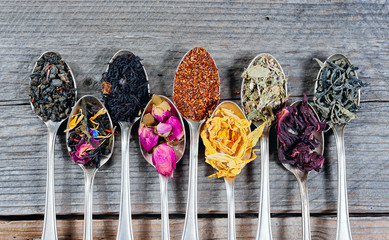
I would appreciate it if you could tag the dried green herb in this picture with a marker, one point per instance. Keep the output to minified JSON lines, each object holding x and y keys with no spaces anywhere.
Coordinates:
{"x":336,"y":97}
{"x":263,"y":88}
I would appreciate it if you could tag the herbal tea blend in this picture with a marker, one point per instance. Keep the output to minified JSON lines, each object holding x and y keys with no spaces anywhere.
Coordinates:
{"x":336,"y":97}
{"x":90,"y":135}
{"x":159,"y":131}
{"x":125,"y":88}
{"x":263,"y":88}
{"x":196,"y":85}
{"x":52,"y":89}
{"x":227,"y":138}
{"x":295,"y":128}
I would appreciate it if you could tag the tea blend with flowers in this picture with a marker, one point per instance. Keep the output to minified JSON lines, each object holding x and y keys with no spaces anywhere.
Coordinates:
{"x":263,"y":88}
{"x":125,"y":88}
{"x":196,"y":85}
{"x":336,"y":97}
{"x":158,"y":132}
{"x":90,"y":135}
{"x":52,"y":90}
{"x":227,"y":139}
{"x":296,"y":126}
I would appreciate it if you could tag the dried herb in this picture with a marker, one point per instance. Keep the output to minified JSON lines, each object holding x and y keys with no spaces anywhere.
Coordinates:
{"x":227,"y":140}
{"x":52,"y":88}
{"x":90,"y":135}
{"x":296,"y":127}
{"x":263,"y":88}
{"x":336,"y":97}
{"x":125,"y":88}
{"x":196,"y":85}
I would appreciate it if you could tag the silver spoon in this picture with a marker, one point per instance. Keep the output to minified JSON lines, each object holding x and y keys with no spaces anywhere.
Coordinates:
{"x":89,"y":171}
{"x":49,"y":225}
{"x":191,"y":231}
{"x":343,"y":223}
{"x":302,"y":179}
{"x":230,"y":182}
{"x":264,"y":224}
{"x":179,"y":150}
{"x":125,"y":227}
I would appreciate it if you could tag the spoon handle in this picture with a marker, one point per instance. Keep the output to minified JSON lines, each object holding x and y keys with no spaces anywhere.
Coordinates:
{"x":264,"y":225}
{"x":125,"y":226}
{"x":343,"y":231}
{"x":164,"y":208}
{"x":89,"y":177}
{"x":231,"y":208}
{"x":303,"y":184}
{"x":191,"y":231}
{"x":49,"y":225}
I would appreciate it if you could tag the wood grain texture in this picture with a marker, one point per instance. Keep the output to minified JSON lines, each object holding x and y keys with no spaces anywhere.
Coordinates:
{"x":87,"y":33}
{"x":149,"y":229}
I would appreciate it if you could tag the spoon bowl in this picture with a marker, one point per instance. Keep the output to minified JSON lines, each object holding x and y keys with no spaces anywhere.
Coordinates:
{"x":125,"y":221}
{"x":49,"y":226}
{"x":89,"y":171}
{"x":264,"y":221}
{"x":190,"y":231}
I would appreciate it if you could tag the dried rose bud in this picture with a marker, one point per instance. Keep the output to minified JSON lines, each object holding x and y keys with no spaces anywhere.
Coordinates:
{"x":148,"y":120}
{"x":177,"y":131}
{"x":164,"y":159}
{"x":163,"y":129}
{"x":147,"y":137}
{"x":161,"y":111}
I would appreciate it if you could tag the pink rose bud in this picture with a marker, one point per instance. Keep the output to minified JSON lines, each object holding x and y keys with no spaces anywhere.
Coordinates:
{"x":161,"y":111}
{"x":177,"y":131}
{"x":163,"y":129}
{"x":148,"y":139}
{"x":164,"y":159}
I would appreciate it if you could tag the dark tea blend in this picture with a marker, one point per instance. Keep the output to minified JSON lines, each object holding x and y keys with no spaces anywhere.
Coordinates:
{"x":90,"y":135}
{"x":336,"y":97}
{"x":52,"y":90}
{"x":196,"y":85}
{"x":125,"y":88}
{"x":296,"y":126}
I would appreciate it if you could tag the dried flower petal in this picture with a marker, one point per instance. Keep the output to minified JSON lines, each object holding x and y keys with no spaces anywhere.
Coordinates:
{"x":164,"y":159}
{"x":163,"y":129}
{"x":178,"y":129}
{"x":147,"y":137}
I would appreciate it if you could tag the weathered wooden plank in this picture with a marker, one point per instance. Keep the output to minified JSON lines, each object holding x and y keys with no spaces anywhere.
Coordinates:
{"x":23,"y":173}
{"x":88,"y":34}
{"x":283,"y":228}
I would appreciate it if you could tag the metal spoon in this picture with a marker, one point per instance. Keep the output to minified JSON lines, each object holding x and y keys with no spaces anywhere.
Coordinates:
{"x":179,"y":150}
{"x":49,"y":225}
{"x":191,"y":231}
{"x":89,"y":171}
{"x":230,"y":182}
{"x":125,"y":227}
{"x":302,"y":179}
{"x":343,"y":223}
{"x":264,"y":224}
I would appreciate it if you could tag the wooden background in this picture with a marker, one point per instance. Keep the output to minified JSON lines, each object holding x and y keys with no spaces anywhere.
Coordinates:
{"x":87,"y":33}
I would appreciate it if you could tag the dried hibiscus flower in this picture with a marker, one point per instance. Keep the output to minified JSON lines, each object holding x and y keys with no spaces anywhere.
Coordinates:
{"x":296,"y":127}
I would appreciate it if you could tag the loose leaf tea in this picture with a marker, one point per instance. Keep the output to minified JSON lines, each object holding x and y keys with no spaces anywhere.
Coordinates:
{"x":159,"y":131}
{"x":196,"y":85}
{"x":263,"y":88}
{"x":125,"y":88}
{"x":52,"y":89}
{"x":90,"y":135}
{"x":336,"y":97}
{"x":227,"y":139}
{"x":296,"y":127}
